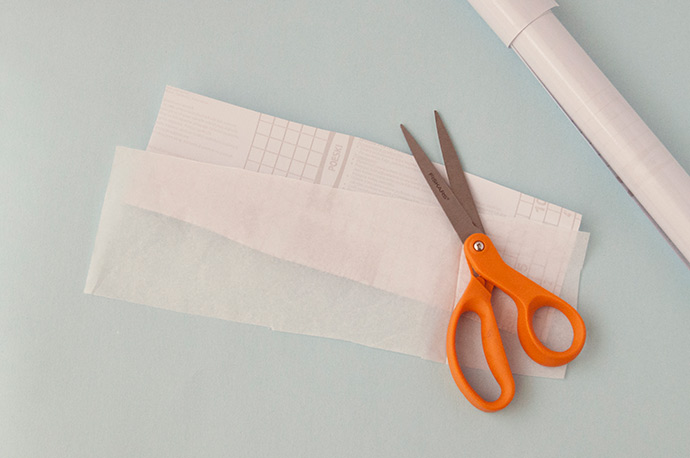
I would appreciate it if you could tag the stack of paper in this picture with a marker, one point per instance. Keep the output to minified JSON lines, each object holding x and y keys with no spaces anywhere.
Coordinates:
{"x":242,"y":216}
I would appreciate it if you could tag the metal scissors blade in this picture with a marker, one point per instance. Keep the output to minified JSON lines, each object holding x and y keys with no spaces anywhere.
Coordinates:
{"x":459,"y":217}
{"x":456,"y":175}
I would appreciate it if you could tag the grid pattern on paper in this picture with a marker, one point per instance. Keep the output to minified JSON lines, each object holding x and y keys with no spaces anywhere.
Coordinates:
{"x":544,"y":212}
{"x":286,"y":149}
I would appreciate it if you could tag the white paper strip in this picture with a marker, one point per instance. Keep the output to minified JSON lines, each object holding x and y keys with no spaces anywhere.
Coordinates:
{"x":196,"y":127}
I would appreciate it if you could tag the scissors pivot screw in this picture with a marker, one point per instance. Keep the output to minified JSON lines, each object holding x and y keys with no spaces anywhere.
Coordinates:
{"x":478,"y":245}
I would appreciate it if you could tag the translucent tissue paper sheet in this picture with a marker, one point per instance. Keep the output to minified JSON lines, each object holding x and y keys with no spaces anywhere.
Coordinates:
{"x":147,"y":258}
{"x":398,"y":246}
{"x":173,"y":234}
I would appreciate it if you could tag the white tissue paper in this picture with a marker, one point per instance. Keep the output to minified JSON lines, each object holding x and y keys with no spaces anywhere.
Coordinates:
{"x":297,"y":257}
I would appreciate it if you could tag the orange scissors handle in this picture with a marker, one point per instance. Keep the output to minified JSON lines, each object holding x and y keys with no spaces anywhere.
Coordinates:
{"x":490,"y":271}
{"x":477,"y":299}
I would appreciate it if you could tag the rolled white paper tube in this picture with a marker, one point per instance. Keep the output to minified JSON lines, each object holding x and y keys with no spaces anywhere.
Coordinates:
{"x":616,"y":132}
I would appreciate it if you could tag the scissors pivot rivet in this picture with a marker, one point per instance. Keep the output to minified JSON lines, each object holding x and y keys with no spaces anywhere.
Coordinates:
{"x":478,"y":245}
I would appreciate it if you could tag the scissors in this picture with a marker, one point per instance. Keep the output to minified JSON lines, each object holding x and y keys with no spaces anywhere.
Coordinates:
{"x":489,"y":271}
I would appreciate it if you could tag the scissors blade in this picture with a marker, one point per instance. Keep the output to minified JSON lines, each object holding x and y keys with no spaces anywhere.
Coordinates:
{"x":456,"y":213}
{"x":456,"y":175}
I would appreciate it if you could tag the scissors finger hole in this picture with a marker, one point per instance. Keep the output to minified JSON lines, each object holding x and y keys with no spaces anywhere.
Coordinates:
{"x":468,"y":345}
{"x":552,"y":328}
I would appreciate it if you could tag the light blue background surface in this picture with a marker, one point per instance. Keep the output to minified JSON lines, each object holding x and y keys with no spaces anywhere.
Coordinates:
{"x":83,"y":376}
